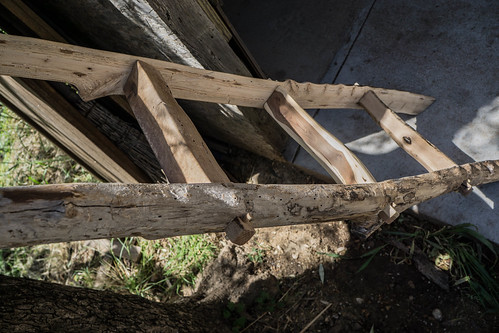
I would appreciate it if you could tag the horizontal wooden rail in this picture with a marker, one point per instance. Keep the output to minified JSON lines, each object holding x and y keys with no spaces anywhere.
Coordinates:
{"x":100,"y":73}
{"x":56,"y":213}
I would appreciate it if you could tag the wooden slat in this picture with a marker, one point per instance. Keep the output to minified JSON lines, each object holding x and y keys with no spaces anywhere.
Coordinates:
{"x":100,"y":73}
{"x":325,"y":148}
{"x":70,"y":129}
{"x":56,"y":213}
{"x":423,"y":151}
{"x":28,"y":17}
{"x":178,"y":146}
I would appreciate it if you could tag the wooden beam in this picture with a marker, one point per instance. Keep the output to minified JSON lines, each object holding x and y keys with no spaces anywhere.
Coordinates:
{"x":64,"y":124}
{"x":325,"y":148}
{"x":100,"y":73}
{"x":178,"y":146}
{"x":423,"y":151}
{"x":180,"y":149}
{"x":56,"y":213}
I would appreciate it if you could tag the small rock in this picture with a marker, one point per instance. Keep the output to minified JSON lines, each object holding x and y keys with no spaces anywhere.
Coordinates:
{"x":437,"y":314}
{"x":359,"y":300}
{"x":411,"y":298}
{"x":411,"y":284}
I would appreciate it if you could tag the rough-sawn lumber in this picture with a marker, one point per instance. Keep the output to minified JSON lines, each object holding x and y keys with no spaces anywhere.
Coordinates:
{"x":56,"y":213}
{"x":100,"y":73}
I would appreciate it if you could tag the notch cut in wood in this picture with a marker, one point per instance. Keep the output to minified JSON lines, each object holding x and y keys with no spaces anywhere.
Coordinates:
{"x":99,"y":73}
{"x":178,"y":146}
{"x":325,"y":148}
{"x":68,"y":212}
{"x":423,"y":151}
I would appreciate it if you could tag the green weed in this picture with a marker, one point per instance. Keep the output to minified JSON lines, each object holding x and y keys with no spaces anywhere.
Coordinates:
{"x":163,"y":267}
{"x":257,"y":255}
{"x":467,"y":255}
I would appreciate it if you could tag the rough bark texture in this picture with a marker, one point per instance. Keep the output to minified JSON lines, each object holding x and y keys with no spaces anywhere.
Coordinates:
{"x":35,"y":306}
{"x":55,"y":213}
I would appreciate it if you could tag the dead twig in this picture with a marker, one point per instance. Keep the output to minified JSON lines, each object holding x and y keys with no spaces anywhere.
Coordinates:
{"x":316,"y":317}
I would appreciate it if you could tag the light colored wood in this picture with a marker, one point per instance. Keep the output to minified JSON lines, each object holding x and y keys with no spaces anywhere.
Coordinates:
{"x":178,"y":146}
{"x":100,"y":73}
{"x":325,"y":148}
{"x":28,"y":17}
{"x":423,"y":151}
{"x":56,"y":213}
{"x":71,"y":130}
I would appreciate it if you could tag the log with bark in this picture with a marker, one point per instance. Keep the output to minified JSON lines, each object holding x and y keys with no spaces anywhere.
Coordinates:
{"x":36,"y":306}
{"x":56,"y":213}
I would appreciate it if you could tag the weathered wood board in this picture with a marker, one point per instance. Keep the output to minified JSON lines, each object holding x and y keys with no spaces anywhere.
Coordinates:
{"x":99,"y":73}
{"x":71,"y":130}
{"x":178,"y":146}
{"x":55,"y":213}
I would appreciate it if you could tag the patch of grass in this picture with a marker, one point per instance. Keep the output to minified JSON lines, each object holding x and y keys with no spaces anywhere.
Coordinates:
{"x":257,"y":255}
{"x":185,"y":257}
{"x":27,"y":158}
{"x":467,"y":255}
{"x":162,"y":267}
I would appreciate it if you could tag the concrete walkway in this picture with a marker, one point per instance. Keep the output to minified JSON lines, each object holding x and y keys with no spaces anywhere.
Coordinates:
{"x":445,"y":49}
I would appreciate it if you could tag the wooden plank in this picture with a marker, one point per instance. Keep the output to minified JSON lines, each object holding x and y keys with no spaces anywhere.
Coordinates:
{"x":325,"y":148}
{"x":100,"y":73}
{"x":28,"y":17}
{"x":180,"y":149}
{"x":57,"y":213}
{"x":423,"y":151}
{"x":178,"y":146}
{"x":70,"y":129}
{"x":176,"y":31}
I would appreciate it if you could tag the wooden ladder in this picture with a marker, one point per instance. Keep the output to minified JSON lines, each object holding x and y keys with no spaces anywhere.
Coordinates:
{"x":185,"y":157}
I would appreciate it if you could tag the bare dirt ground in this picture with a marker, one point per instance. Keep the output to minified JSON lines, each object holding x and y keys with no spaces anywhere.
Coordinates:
{"x":273,"y":284}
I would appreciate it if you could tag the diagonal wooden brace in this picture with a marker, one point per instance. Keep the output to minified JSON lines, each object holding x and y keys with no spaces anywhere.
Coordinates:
{"x":325,"y":148}
{"x":423,"y":151}
{"x":178,"y":146}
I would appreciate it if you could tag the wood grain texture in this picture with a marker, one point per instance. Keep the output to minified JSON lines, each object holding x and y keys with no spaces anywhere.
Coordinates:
{"x":100,"y":73}
{"x":178,"y":146}
{"x":325,"y":148}
{"x":63,"y":123}
{"x":55,"y":213}
{"x":176,"y":31}
{"x":423,"y":151}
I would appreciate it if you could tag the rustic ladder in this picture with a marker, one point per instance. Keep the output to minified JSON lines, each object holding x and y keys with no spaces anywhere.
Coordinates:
{"x":200,"y":197}
{"x":185,"y":157}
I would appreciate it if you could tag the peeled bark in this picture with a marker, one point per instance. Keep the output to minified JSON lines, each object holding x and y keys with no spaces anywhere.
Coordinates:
{"x":55,"y":213}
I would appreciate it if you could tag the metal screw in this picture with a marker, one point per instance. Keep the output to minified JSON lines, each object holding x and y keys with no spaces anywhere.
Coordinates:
{"x":407,"y":140}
